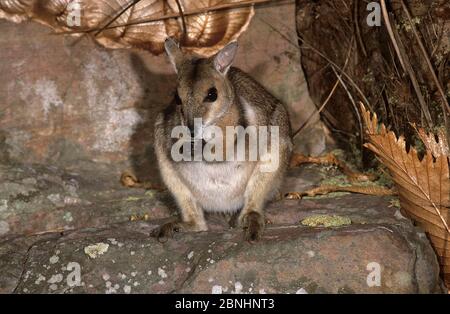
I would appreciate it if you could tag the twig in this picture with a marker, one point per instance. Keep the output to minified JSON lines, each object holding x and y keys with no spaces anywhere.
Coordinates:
{"x":183,"y":21}
{"x":219,"y":7}
{"x":282,"y":35}
{"x":352,"y":100}
{"x":398,"y":44}
{"x":377,"y":99}
{"x":391,"y":33}
{"x":56,"y":230}
{"x":391,"y":111}
{"x":357,"y":28}
{"x":309,"y":119}
{"x":432,"y":24}
{"x":119,"y":14}
{"x":441,"y":78}
{"x":348,"y":77}
{"x":445,"y":105}
{"x":439,"y":40}
{"x":393,"y":62}
{"x":331,"y":159}
{"x":329,"y":95}
{"x":345,"y":4}
{"x":317,"y":111}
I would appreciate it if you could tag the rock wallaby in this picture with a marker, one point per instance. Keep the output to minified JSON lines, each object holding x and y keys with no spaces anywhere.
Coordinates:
{"x":213,"y":92}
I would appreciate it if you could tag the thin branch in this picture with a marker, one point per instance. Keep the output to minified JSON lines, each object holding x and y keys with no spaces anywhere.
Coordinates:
{"x":358,"y":29}
{"x":329,"y":95}
{"x":355,"y":107}
{"x":348,"y":77}
{"x":331,"y":159}
{"x":119,"y":14}
{"x":402,"y":55}
{"x":438,"y":40}
{"x":445,"y":104}
{"x":391,"y":33}
{"x":393,"y":62}
{"x":183,"y":21}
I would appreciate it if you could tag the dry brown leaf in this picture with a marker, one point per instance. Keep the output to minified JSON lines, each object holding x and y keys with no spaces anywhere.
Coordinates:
{"x":423,"y":185}
{"x":206,"y":33}
{"x":129,"y":180}
{"x":437,"y":148}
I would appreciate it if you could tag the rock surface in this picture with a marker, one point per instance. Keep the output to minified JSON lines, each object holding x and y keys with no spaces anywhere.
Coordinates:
{"x":36,"y":199}
{"x":122,"y":258}
{"x":63,"y":99}
{"x":100,"y":251}
{"x":74,"y":116}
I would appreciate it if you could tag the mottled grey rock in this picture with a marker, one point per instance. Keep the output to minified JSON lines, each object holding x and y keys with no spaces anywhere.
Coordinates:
{"x":36,"y":198}
{"x":93,"y":239}
{"x":122,"y":258}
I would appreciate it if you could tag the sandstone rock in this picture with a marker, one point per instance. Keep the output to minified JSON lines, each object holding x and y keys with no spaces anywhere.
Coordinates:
{"x":35,"y":199}
{"x":38,"y":199}
{"x":63,"y":99}
{"x":63,"y":224}
{"x":290,"y":257}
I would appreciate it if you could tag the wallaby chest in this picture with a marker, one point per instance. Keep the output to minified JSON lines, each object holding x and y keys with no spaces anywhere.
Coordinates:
{"x":217,"y":186}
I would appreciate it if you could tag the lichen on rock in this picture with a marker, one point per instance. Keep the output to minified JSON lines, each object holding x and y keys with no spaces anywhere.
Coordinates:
{"x":326,"y":221}
{"x":97,"y":249}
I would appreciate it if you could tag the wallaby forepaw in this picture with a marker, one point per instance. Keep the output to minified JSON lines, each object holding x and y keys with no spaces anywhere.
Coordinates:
{"x":166,"y":231}
{"x":169,"y":229}
{"x":253,"y":224}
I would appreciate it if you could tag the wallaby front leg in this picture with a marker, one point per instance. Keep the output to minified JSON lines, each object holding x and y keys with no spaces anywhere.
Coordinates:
{"x":192,"y":218}
{"x":259,"y":187}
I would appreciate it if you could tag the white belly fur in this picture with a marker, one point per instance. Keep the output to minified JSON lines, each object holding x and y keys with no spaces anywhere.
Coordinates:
{"x":218,"y":187}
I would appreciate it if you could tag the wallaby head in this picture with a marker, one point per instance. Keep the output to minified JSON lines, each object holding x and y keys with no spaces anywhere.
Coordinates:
{"x":203,"y":90}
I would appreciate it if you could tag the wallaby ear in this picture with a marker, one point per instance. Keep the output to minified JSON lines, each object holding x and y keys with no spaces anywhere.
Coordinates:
{"x":174,"y":52}
{"x":224,"y":58}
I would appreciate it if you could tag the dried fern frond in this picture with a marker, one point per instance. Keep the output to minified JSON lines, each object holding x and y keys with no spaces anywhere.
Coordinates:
{"x":423,"y":185}
{"x":325,"y":189}
{"x":331,"y":159}
{"x":206,"y":33}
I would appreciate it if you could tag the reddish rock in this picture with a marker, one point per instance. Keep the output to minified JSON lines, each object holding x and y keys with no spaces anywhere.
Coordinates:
{"x":289,"y":259}
{"x":64,"y":99}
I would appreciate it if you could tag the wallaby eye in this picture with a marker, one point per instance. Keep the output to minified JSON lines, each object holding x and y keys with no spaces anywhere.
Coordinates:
{"x":212,"y":95}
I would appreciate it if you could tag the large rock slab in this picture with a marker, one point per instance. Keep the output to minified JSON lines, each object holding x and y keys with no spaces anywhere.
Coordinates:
{"x":35,"y":199}
{"x":63,"y":99}
{"x":122,"y":258}
{"x":56,"y":222}
{"x":38,"y":199}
